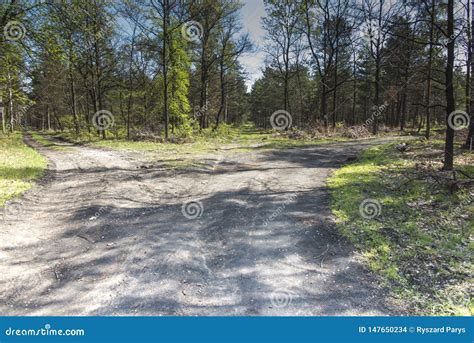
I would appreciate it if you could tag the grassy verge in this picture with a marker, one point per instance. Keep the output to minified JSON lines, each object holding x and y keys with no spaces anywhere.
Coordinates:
{"x":419,"y":236}
{"x":19,"y":166}
{"x":239,"y":139}
{"x":45,"y":140}
{"x":41,"y":139}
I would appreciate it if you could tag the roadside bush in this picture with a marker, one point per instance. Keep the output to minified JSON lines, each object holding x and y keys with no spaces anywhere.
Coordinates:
{"x":356,"y":132}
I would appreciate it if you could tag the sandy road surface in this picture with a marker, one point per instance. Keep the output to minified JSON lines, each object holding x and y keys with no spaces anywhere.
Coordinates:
{"x":104,"y":234}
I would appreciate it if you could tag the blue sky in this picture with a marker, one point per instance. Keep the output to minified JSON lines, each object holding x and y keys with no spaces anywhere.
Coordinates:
{"x":251,"y":15}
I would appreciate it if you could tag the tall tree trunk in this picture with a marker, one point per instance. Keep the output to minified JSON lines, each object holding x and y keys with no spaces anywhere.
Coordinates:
{"x":73,"y":100}
{"x":324,"y":103}
{"x":226,"y":109}
{"x":87,"y":113}
{"x":72,"y":88}
{"x":121,"y":106}
{"x":300,"y":96}
{"x":450,"y":104}
{"x":375,"y":126}
{"x":222,"y":99}
{"x":203,"y":97}
{"x":354,"y":91}
{"x":415,"y":117}
{"x":422,"y":121}
{"x":404,"y":110}
{"x":287,"y":75}
{"x":392,"y":112}
{"x":10,"y":102}
{"x":58,"y":121}
{"x":165,"y":65}
{"x":3,"y":113}
{"x":321,"y":71}
{"x":334,"y":98}
{"x":378,"y":62}
{"x":430,"y":70}
{"x":203,"y":101}
{"x":130,"y":81}
{"x":49,"y":119}
{"x":469,"y":77}
{"x":145,"y":111}
{"x":99,"y":84}
{"x":399,"y":110}
{"x":405,"y":88}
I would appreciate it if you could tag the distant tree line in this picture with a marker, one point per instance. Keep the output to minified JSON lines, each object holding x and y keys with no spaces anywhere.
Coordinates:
{"x":159,"y":66}
{"x":337,"y":62}
{"x":170,"y":67}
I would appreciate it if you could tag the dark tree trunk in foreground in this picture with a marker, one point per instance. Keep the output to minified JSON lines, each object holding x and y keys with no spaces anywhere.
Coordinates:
{"x":165,"y":66}
{"x":73,"y":104}
{"x":449,"y":143}
{"x":130,"y":81}
{"x":430,"y":69}
{"x":223,"y":90}
{"x":469,"y":78}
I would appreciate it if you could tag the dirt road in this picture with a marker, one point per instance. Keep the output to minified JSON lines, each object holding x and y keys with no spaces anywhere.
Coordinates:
{"x":106,"y":233}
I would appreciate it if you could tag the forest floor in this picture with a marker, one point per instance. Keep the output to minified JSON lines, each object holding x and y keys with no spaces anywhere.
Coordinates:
{"x":239,"y":230}
{"x":419,"y":233}
{"x":20,"y":165}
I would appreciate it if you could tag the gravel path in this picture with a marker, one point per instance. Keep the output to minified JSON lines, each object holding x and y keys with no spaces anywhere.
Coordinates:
{"x":105,"y":233}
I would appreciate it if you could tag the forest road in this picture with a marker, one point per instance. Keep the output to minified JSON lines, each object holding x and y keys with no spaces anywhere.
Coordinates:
{"x":243,"y":233}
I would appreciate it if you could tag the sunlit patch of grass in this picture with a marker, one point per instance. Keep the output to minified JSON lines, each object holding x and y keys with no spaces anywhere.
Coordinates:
{"x":40,"y":139}
{"x":242,"y":139}
{"x":45,"y":140}
{"x":19,"y":166}
{"x":268,"y":139}
{"x":419,"y":242}
{"x":184,"y":164}
{"x":84,"y":136}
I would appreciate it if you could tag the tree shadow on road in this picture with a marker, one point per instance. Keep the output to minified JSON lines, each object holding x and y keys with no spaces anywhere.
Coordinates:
{"x":258,"y":249}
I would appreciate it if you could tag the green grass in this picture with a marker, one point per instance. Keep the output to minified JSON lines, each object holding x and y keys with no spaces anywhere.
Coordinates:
{"x":240,"y":139}
{"x":45,"y":140}
{"x":419,"y":242}
{"x":19,"y":166}
{"x":185,"y":164}
{"x":249,"y":136}
{"x":41,"y":139}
